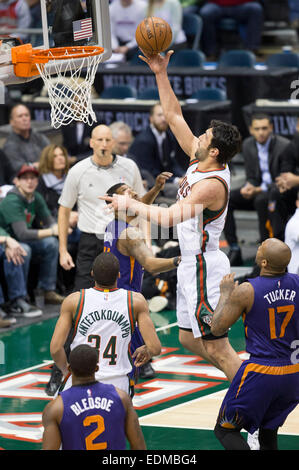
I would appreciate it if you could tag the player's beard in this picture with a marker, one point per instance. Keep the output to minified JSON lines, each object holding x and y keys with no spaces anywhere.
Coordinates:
{"x":201,"y":154}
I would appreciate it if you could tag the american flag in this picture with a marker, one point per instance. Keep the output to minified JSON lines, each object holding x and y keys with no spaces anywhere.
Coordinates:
{"x":82,"y":29}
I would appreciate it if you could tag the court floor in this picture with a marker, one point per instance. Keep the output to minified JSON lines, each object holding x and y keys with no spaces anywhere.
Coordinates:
{"x":177,"y":409}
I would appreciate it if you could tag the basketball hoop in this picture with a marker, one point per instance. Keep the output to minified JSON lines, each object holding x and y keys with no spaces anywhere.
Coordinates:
{"x":69,"y":93}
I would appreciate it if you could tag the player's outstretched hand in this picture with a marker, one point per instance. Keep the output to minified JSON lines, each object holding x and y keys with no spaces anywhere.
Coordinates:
{"x":162,"y":178}
{"x":156,"y":62}
{"x":117,"y":202}
{"x":228,"y":284}
{"x":141,"y":356}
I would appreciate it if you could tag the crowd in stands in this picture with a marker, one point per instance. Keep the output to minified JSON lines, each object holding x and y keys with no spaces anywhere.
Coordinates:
{"x":34,"y":171}
{"x":249,"y":16}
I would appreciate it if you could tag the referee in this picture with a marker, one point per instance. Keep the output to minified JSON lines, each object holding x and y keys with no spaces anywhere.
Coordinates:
{"x":85,"y":182}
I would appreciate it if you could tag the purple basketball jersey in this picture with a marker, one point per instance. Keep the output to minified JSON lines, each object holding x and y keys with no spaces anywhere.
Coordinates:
{"x":265,"y":389}
{"x":131,"y":272}
{"x":93,"y":418}
{"x":272,"y":325}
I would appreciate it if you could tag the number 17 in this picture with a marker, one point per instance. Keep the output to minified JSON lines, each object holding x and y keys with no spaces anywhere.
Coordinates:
{"x":289,"y":310}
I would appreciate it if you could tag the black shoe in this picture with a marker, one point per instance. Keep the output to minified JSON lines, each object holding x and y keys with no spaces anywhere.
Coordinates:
{"x":146,"y":371}
{"x":54,"y":382}
{"x":235,"y":257}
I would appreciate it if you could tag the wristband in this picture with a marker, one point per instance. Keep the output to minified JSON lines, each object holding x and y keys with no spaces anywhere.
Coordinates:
{"x":176,"y":261}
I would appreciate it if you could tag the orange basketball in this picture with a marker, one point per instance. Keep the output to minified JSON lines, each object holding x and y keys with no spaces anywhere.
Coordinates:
{"x":153,"y":35}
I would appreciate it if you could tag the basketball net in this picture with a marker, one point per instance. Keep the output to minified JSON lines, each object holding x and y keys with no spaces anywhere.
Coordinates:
{"x":69,"y":93}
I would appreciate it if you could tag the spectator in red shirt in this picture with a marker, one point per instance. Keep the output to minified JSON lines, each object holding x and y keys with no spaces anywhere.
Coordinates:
{"x":245,"y":12}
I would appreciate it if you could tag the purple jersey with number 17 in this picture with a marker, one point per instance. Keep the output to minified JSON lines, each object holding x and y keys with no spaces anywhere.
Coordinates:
{"x":272,"y":324}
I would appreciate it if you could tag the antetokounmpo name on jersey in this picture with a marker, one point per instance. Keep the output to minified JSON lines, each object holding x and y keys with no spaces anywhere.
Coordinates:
{"x":108,"y":315}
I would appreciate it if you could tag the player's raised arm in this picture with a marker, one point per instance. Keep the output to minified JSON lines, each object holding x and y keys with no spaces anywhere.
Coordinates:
{"x":203,"y":195}
{"x":170,"y":104}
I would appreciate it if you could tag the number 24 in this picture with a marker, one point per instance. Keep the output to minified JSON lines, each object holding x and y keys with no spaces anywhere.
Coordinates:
{"x":110,"y":350}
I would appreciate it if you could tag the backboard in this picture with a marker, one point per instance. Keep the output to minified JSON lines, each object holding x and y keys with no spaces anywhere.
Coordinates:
{"x":65,"y":23}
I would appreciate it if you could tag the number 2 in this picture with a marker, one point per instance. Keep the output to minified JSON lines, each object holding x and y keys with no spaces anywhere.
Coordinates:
{"x":289,"y":310}
{"x":99,"y":420}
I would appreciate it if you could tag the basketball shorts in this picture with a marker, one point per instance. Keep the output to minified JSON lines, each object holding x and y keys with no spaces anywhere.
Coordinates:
{"x":260,"y":396}
{"x":198,"y":290}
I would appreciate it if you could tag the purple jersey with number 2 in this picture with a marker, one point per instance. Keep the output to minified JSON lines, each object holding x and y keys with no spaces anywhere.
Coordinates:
{"x":93,"y":418}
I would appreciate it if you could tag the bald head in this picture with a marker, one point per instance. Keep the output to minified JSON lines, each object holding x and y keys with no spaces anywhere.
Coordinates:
{"x":102,"y":143}
{"x":273,"y":255}
{"x":102,"y":129}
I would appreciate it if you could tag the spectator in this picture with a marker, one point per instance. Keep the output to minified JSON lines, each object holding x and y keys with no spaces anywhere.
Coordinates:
{"x":264,"y":159}
{"x":64,"y":14}
{"x":125,"y":15}
{"x":290,"y":179}
{"x":292,"y":239}
{"x":23,"y":145}
{"x":69,"y":430}
{"x":155,"y":149}
{"x":85,"y":182}
{"x":3,"y":164}
{"x":22,"y":212}
{"x":245,"y":12}
{"x":123,"y":138}
{"x":172,"y":12}
{"x":36,"y":22}
{"x":12,"y":257}
{"x":15,"y":14}
{"x":53,"y":168}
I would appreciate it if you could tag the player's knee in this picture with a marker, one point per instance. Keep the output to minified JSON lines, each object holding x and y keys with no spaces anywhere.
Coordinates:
{"x":217,"y":349}
{"x":184,"y":338}
{"x":213,"y":350}
{"x":231,"y":439}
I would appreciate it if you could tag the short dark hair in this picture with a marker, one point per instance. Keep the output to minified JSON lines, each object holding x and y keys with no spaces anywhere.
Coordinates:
{"x":259,"y":116}
{"x":83,"y":360}
{"x":153,"y":107}
{"x":226,"y":138}
{"x":105,"y":269}
{"x":113,"y":189}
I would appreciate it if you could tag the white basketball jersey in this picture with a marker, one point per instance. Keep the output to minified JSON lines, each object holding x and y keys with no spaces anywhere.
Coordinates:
{"x":105,"y":320}
{"x":202,"y":233}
